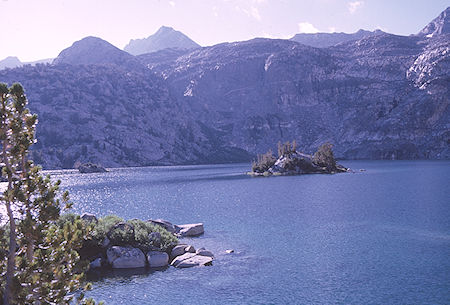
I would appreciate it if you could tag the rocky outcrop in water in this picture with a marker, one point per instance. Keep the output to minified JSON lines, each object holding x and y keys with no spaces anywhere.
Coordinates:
{"x":91,"y":168}
{"x":292,"y":162}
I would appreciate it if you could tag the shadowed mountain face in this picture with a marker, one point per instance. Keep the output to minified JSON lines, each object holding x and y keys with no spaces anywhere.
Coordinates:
{"x":358,"y":95}
{"x":324,"y":40}
{"x":164,"y":38}
{"x":380,"y":97}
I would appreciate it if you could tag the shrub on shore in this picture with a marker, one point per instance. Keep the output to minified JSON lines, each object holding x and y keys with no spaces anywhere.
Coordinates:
{"x":134,"y":232}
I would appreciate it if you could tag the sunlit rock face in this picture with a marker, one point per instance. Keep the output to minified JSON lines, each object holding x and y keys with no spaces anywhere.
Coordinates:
{"x":380,"y":97}
{"x":438,"y":26}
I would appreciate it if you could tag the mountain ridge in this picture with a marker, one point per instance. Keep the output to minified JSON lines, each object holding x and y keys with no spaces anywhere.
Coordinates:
{"x":164,"y":38}
{"x":383,"y":96}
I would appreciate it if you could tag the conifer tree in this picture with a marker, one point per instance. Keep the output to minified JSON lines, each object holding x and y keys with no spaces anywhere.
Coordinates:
{"x":41,"y":264}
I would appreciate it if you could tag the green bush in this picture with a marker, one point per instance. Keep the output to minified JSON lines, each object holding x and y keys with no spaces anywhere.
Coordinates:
{"x":138,"y":237}
{"x":263,"y":162}
{"x":324,"y":157}
{"x":103,"y":226}
{"x":68,"y":217}
{"x":142,"y":230}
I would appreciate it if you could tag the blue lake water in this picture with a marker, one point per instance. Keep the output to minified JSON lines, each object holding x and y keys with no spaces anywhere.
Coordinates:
{"x":380,"y":236}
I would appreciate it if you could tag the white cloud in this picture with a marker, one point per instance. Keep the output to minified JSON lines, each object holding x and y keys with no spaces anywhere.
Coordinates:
{"x":172,"y":3}
{"x":252,"y":12}
{"x":215,"y":11}
{"x":306,"y":27}
{"x":332,"y":29}
{"x":354,"y":6}
{"x":255,"y":13}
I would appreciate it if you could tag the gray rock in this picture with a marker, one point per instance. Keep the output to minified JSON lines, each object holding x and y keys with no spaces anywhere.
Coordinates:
{"x":163,"y":223}
{"x":190,"y":249}
{"x":204,"y":252}
{"x":125,"y":257}
{"x":178,"y":250}
{"x":193,"y":261}
{"x":88,"y":217}
{"x":181,"y":258}
{"x":97,"y":263}
{"x":88,"y":168}
{"x":105,"y":242}
{"x":157,"y":259}
{"x":193,"y":229}
{"x":165,"y":37}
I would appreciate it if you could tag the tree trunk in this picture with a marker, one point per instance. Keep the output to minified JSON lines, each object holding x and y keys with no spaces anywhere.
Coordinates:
{"x":11,"y":264}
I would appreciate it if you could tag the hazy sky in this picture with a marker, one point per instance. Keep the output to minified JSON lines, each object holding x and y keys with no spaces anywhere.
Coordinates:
{"x":38,"y":29}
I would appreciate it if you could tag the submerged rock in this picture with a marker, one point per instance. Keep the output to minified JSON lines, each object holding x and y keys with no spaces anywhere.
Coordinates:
{"x":88,"y":168}
{"x":125,"y":257}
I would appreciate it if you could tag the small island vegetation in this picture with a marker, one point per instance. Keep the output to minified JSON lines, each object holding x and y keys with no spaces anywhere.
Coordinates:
{"x":292,"y":162}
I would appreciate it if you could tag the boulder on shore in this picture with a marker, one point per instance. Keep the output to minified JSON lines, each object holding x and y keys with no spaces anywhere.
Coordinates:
{"x":178,"y":250}
{"x":88,"y":217}
{"x":88,"y":168}
{"x":193,"y":229}
{"x":188,"y":260}
{"x":157,"y":259}
{"x":163,"y":223}
{"x":125,"y":257}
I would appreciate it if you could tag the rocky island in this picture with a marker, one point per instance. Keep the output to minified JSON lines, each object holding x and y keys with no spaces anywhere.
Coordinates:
{"x":118,"y":244}
{"x":292,"y":162}
{"x":88,"y":168}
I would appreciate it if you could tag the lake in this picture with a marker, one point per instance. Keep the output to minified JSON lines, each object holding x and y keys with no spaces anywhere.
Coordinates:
{"x":379,"y":236}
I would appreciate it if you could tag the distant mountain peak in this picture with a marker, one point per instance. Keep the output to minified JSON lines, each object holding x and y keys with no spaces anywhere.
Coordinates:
{"x":10,"y":62}
{"x":439,"y":25}
{"x":165,"y":37}
{"x":93,"y":50}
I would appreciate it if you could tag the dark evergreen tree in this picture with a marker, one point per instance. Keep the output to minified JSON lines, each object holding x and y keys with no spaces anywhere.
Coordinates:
{"x":42,"y":265}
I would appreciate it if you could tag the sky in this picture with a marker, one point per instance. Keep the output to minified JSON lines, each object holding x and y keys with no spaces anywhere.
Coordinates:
{"x":39,"y":29}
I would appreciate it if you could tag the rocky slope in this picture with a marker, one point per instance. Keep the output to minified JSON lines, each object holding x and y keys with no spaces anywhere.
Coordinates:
{"x":380,"y":97}
{"x":116,"y":113}
{"x":439,"y":25}
{"x":324,"y":40}
{"x":165,"y":37}
{"x":358,"y":95}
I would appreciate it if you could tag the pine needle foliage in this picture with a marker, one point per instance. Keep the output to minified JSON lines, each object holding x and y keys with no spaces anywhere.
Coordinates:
{"x":40,"y":263}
